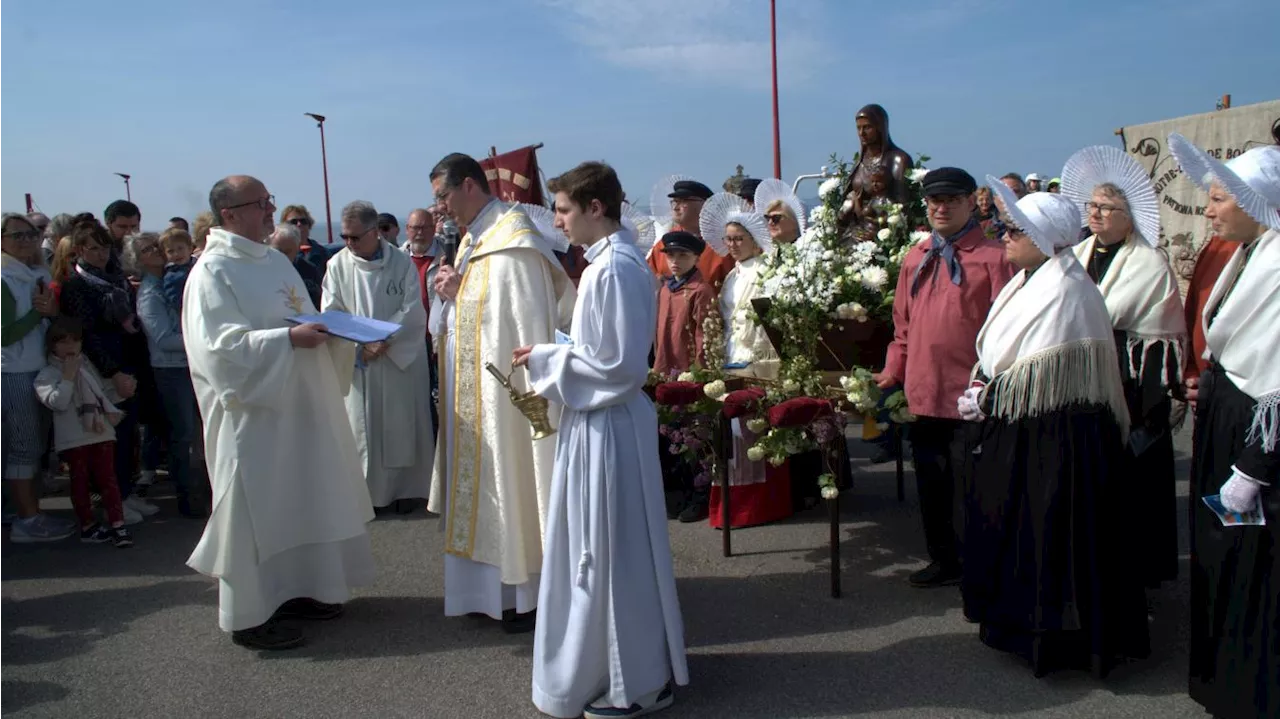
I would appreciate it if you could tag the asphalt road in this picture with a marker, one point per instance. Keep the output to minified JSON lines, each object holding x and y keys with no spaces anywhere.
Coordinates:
{"x":91,"y":631}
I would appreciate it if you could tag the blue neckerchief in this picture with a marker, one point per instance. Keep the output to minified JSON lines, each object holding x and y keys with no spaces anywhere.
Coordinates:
{"x":942,"y":247}
{"x":674,"y":283}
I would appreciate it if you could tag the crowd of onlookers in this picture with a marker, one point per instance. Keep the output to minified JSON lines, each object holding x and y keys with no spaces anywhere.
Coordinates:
{"x":95,"y":372}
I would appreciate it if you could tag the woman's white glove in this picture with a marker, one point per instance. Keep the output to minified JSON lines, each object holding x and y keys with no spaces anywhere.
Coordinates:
{"x":967,"y":404}
{"x":1240,"y":493}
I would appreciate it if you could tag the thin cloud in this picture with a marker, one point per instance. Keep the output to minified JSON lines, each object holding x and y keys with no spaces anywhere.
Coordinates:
{"x":716,"y":42}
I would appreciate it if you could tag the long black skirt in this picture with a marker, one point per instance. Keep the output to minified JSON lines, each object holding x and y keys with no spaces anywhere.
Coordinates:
{"x":1049,"y":568}
{"x":1235,"y":571}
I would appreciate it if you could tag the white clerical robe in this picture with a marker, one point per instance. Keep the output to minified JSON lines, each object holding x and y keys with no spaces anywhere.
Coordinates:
{"x":492,"y":479}
{"x":609,"y":624}
{"x":389,"y":404}
{"x":289,"y":500}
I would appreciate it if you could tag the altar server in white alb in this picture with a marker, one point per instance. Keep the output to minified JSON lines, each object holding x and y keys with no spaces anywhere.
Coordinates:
{"x":505,"y":290}
{"x":389,"y":404}
{"x":287,"y":535}
{"x":609,"y":641}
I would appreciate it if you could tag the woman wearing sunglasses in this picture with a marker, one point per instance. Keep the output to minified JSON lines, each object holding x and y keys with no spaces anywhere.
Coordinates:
{"x":27,"y":301}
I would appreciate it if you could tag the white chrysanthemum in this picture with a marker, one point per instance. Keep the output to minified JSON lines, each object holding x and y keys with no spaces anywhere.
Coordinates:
{"x":884,"y":234}
{"x":715,"y":390}
{"x":685,"y":377}
{"x":875,"y":278}
{"x":757,"y":424}
{"x":790,"y":386}
{"x":917,"y":175}
{"x":895,"y":220}
{"x":920,"y":236}
{"x":755,"y":454}
{"x":830,"y":492}
{"x":829,"y":187}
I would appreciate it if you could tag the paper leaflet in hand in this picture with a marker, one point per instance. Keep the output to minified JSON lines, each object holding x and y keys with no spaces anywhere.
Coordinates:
{"x":1252,"y":518}
{"x":362,"y":330}
{"x":563,"y":339}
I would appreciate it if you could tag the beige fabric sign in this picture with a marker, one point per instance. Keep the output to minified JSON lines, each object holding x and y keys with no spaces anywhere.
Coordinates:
{"x":1224,"y":134}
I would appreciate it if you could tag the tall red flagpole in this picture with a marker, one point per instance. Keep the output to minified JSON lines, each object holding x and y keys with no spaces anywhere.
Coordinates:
{"x":324,"y":168}
{"x":777,"y":136}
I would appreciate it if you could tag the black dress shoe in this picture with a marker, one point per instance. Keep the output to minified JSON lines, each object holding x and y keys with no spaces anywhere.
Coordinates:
{"x":271,"y":636}
{"x":936,"y":574}
{"x":192,"y":508}
{"x":513,"y":623}
{"x":695,"y":512}
{"x":307,"y":608}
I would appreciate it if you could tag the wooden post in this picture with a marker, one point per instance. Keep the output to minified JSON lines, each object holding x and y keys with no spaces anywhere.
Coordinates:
{"x":1226,"y":102}
{"x":833,"y":512}
{"x":724,"y":450}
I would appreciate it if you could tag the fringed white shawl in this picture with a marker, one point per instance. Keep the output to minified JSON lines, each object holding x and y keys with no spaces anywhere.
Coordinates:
{"x":1048,"y":343}
{"x":1141,"y":292}
{"x":1244,"y":337}
{"x":745,"y":339}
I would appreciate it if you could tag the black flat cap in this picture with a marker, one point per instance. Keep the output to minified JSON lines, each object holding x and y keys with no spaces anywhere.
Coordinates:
{"x":681,"y":240}
{"x":685,"y":189}
{"x":387,"y":218}
{"x":748,"y":189}
{"x":948,"y":181}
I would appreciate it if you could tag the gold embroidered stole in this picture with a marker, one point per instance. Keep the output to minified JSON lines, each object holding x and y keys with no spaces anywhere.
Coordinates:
{"x":466,"y":424}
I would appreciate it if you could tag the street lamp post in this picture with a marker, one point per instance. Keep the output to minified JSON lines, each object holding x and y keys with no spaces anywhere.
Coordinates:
{"x":777,"y":136}
{"x":324,"y":164}
{"x":127,"y":195}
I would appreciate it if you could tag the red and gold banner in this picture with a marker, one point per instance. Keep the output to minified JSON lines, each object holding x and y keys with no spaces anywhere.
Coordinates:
{"x":513,"y":176}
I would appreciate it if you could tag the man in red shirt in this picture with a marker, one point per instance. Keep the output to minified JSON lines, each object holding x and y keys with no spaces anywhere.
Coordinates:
{"x":945,"y":289}
{"x":420,"y":244}
{"x":687,"y":198}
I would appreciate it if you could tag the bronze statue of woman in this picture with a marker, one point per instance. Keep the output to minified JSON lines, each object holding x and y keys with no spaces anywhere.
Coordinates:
{"x":877,"y":153}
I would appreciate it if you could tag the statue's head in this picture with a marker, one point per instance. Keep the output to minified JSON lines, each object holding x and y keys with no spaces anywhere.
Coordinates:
{"x":873,"y":126}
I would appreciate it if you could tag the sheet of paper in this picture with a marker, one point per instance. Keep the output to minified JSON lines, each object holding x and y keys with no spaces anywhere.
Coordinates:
{"x":1252,"y":518}
{"x":563,"y":339}
{"x":357,"y":329}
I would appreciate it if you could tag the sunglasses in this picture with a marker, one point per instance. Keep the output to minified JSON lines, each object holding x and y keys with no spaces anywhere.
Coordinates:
{"x":386,"y":228}
{"x":24,"y":236}
{"x":774,"y":218}
{"x":353,"y":238}
{"x":299,"y":222}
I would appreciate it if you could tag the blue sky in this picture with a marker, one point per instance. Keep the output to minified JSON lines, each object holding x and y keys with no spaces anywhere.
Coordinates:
{"x":181,"y":94}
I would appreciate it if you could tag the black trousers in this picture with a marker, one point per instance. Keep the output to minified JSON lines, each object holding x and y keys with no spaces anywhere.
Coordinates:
{"x":943,"y":454}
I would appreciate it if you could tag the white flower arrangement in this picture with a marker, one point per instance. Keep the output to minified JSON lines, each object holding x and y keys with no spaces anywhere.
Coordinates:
{"x":716,"y":390}
{"x":687,"y":377}
{"x":917,"y":175}
{"x":755,"y":454}
{"x":757,"y":425}
{"x":830,"y":492}
{"x":833,"y":272}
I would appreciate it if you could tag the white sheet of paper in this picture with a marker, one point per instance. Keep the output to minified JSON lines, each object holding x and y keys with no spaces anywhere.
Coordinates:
{"x":357,"y":329}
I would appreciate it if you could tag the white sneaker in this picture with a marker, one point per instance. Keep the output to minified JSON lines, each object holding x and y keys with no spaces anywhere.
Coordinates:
{"x":141,"y":506}
{"x":131,"y":515}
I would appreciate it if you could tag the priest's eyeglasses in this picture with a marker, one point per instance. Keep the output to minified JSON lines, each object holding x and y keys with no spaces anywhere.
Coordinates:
{"x":263,"y":203}
{"x":1102,"y":210}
